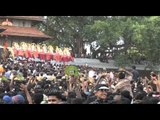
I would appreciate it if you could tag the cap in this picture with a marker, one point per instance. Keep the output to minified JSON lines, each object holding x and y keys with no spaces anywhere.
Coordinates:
{"x":7,"y":99}
{"x":101,"y":87}
{"x":18,"y":99}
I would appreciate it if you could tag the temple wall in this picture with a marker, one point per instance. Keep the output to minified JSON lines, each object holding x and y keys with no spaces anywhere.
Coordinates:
{"x":10,"y":40}
{"x":21,"y":23}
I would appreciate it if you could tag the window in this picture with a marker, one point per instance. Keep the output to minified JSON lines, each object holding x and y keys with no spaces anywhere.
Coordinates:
{"x":24,"y":23}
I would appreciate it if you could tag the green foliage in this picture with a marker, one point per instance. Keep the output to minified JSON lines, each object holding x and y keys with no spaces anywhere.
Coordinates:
{"x":122,"y":61}
{"x":106,"y":32}
{"x":4,"y":78}
{"x":71,"y":70}
{"x":140,"y":32}
{"x":68,"y":31}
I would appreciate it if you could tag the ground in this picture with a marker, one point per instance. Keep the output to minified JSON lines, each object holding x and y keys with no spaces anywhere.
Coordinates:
{"x":98,"y":64}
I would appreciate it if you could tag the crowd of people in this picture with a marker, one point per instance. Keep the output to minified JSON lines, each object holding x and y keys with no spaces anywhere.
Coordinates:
{"x":27,"y":81}
{"x":41,"y":52}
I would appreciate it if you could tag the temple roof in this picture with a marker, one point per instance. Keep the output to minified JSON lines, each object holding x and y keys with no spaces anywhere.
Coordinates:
{"x":34,"y":18}
{"x":24,"y":32}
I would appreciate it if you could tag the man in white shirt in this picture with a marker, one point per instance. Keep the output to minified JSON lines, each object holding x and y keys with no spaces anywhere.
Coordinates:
{"x":91,"y":73}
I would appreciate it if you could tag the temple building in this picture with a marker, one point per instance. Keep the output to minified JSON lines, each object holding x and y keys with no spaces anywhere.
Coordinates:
{"x":21,"y":29}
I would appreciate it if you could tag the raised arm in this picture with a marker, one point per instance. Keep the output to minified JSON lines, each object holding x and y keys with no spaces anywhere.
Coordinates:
{"x":24,"y":88}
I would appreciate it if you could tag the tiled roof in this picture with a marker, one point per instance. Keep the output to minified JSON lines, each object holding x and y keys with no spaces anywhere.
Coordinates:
{"x":35,"y":18}
{"x":24,"y":32}
{"x":2,"y":28}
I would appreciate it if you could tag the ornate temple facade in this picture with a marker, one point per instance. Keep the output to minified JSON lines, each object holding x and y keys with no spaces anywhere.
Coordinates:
{"x":21,"y":29}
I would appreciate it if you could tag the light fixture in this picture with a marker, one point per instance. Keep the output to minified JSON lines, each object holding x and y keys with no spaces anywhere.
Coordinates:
{"x":7,"y":23}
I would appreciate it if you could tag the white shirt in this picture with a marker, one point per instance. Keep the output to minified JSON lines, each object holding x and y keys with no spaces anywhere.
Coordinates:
{"x":91,"y":73}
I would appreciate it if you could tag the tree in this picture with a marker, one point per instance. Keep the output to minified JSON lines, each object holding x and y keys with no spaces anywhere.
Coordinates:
{"x":138,"y":32}
{"x":149,"y":40}
{"x":68,"y":31}
{"x":140,"y":35}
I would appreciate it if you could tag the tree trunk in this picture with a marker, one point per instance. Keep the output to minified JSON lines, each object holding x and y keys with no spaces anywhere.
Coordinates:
{"x":79,"y":46}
